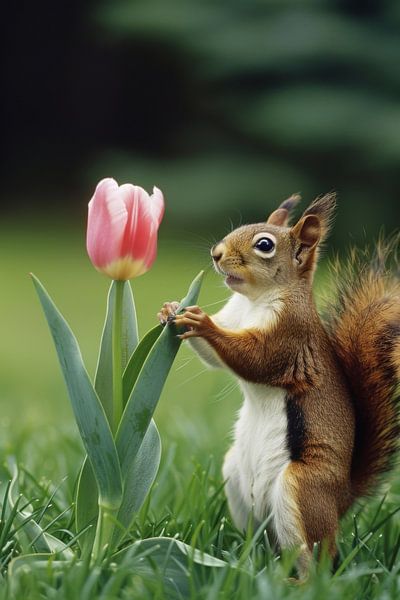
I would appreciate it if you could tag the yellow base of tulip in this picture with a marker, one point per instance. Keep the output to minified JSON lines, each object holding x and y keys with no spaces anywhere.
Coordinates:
{"x":124,"y":269}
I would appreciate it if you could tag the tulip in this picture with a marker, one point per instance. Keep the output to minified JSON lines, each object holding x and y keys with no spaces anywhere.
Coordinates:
{"x":121,"y":241}
{"x":122,"y":228}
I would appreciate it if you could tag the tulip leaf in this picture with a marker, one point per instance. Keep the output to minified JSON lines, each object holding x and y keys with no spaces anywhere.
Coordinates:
{"x":193,"y":292}
{"x":146,"y":392}
{"x":138,"y":481}
{"x":88,"y":410}
{"x":144,"y":467}
{"x":39,"y":562}
{"x":86,"y":493}
{"x":179,"y":565}
{"x":164,"y":545}
{"x":87,"y":508}
{"x":137,"y":359}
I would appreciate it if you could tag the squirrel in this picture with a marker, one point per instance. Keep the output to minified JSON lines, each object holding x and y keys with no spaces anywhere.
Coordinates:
{"x":319,"y":422}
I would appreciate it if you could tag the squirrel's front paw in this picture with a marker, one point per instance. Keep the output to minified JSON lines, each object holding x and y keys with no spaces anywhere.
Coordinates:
{"x":197,"y":321}
{"x":168,"y":312}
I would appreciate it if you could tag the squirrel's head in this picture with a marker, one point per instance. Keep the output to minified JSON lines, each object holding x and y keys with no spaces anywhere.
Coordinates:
{"x":273,"y":255}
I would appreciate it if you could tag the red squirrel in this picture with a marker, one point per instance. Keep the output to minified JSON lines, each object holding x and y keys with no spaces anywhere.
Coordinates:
{"x":319,"y":421}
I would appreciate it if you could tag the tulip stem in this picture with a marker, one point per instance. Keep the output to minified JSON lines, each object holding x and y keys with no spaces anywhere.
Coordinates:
{"x":104,"y":532}
{"x":117,"y":354}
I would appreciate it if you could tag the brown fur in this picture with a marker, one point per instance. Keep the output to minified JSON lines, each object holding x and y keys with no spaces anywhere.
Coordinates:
{"x":365,"y":327}
{"x":281,"y":216}
{"x":297,"y":355}
{"x":341,"y":377}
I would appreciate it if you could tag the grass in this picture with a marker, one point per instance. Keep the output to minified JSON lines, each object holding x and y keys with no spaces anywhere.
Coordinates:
{"x":194,"y":416}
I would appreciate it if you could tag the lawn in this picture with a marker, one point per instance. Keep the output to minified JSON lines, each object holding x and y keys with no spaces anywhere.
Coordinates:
{"x":195,"y":416}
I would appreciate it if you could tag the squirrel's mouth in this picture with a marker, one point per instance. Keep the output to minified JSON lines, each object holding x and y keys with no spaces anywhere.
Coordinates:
{"x":231,"y":279}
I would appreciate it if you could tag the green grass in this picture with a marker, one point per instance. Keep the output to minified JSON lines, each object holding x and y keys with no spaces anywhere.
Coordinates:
{"x":194,"y":416}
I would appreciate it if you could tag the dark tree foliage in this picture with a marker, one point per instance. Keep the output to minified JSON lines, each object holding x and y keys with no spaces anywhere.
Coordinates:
{"x":228,"y":106}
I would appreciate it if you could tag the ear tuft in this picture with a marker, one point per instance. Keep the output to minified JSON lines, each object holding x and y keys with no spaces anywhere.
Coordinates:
{"x":311,"y":230}
{"x":281,"y":215}
{"x":323,"y":207}
{"x":291,"y":202}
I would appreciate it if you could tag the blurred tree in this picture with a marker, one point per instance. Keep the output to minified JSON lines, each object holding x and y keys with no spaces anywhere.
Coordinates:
{"x":228,"y":106}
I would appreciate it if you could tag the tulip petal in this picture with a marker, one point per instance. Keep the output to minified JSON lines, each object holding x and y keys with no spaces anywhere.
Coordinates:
{"x":152,"y":212}
{"x":143,"y":236}
{"x":106,"y":224}
{"x":133,"y":197}
{"x":157,"y":211}
{"x":157,"y":205}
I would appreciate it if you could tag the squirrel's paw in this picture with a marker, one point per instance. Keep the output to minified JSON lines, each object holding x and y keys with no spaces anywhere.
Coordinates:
{"x":168,"y":312}
{"x":197,"y":321}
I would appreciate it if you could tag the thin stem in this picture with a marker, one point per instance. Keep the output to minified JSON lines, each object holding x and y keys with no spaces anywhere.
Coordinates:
{"x":117,"y":354}
{"x":104,"y":531}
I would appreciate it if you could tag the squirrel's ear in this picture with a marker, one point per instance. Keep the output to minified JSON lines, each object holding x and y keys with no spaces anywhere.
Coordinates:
{"x":307,"y":234}
{"x":312,"y":229}
{"x":323,"y":207}
{"x":281,"y":215}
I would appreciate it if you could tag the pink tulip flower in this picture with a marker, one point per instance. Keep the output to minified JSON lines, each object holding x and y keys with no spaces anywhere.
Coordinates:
{"x":122,"y":228}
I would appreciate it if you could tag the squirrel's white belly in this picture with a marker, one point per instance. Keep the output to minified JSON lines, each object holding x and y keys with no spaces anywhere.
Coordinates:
{"x":259,"y":453}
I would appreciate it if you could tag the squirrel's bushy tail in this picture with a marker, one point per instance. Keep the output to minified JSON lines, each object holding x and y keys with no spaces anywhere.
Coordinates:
{"x":365,"y":326}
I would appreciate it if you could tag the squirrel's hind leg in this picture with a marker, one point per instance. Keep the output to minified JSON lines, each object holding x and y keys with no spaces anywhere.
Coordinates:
{"x":287,"y":520}
{"x":304,"y":512}
{"x":238,"y":507}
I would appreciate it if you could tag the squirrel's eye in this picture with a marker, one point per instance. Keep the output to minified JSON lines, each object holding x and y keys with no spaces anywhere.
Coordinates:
{"x":265,"y":245}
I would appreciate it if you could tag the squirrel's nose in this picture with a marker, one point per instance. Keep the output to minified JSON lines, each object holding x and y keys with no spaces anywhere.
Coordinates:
{"x":216,"y":252}
{"x":217,"y":256}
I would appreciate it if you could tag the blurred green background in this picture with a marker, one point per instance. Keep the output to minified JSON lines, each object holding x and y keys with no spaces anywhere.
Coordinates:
{"x":228,"y":107}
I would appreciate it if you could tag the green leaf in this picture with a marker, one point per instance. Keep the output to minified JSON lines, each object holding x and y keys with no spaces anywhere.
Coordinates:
{"x":41,"y":561}
{"x":87,"y":508}
{"x":89,"y":413}
{"x":58,"y":547}
{"x":143,"y":470}
{"x":145,"y":395}
{"x":137,"y":359}
{"x":139,"y":480}
{"x":86,"y":493}
{"x":138,"y":442}
{"x":193,"y":292}
{"x":177,"y":563}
